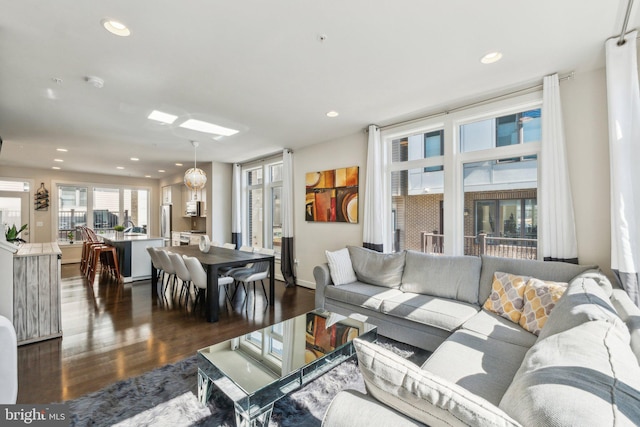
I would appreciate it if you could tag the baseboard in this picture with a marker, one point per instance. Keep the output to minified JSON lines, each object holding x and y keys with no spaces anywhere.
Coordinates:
{"x":306,"y":284}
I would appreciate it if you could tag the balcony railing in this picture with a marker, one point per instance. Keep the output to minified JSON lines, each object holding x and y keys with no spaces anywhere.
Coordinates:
{"x":483,"y":244}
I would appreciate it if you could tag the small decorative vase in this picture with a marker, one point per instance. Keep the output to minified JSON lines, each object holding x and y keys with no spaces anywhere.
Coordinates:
{"x":205,"y":244}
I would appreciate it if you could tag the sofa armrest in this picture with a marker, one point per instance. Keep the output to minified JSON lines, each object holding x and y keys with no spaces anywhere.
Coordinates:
{"x":630,"y":315}
{"x":323,"y":279}
{"x":8,"y":362}
{"x":370,"y":412}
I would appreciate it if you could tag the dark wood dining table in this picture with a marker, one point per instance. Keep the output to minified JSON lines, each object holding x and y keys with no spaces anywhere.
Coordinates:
{"x":213,"y":260}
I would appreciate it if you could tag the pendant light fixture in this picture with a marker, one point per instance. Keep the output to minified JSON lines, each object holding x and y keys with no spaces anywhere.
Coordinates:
{"x":195,"y":178}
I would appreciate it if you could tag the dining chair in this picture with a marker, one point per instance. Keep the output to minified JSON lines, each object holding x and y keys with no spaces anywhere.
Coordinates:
{"x":169,"y":269}
{"x":258,"y":271}
{"x":199,"y":279}
{"x":157,"y":264}
{"x":182,"y":272}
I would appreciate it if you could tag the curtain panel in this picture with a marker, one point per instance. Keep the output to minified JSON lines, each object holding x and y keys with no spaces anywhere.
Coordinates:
{"x":236,"y":206}
{"x":373,"y":220}
{"x":557,"y":220}
{"x":287,"y":256}
{"x":623,"y":102}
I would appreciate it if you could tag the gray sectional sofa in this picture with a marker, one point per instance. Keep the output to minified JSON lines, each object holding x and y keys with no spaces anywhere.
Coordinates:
{"x":582,"y":369}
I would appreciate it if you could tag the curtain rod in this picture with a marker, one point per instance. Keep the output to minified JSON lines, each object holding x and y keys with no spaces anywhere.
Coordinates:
{"x":474,"y":104}
{"x":621,"y":40}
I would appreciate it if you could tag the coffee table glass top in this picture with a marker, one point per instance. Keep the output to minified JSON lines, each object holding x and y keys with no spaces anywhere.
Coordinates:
{"x":257,"y":369}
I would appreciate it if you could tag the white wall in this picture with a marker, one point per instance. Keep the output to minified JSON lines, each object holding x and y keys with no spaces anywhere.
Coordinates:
{"x":219,"y":202}
{"x":584,"y":105}
{"x":584,"y":108}
{"x":313,"y":238}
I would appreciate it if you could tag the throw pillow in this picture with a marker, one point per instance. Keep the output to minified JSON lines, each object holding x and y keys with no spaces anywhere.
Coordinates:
{"x":539,"y":299}
{"x":506,"y":298}
{"x":420,"y":394}
{"x":340,"y":267}
{"x":376,"y":268}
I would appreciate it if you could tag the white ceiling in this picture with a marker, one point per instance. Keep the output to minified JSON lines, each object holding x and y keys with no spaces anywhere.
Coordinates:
{"x":259,"y":66}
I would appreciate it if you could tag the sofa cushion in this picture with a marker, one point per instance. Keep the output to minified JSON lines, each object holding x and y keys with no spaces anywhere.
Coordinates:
{"x":377,"y":268}
{"x":454,"y":277}
{"x":583,"y":376}
{"x":482,"y":365}
{"x":543,"y":270}
{"x":540,"y":297}
{"x":630,"y":315}
{"x":420,"y":394}
{"x":340,"y":267}
{"x":360,"y":294}
{"x":506,"y":297}
{"x":441,"y":313}
{"x":583,"y":301}
{"x":497,"y":327}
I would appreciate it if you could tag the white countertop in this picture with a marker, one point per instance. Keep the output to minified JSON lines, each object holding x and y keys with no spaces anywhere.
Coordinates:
{"x":133,"y":237}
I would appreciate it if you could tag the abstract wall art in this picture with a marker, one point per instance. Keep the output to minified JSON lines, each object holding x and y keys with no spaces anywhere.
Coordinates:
{"x":332,"y":195}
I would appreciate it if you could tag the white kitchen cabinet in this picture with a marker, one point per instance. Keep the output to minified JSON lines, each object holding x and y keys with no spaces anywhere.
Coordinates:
{"x":166,"y":194}
{"x":194,"y":239}
{"x":175,"y":238}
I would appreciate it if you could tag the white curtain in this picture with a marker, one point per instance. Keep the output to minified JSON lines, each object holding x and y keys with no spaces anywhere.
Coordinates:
{"x":287,"y":258}
{"x":373,"y":222}
{"x":557,"y":222}
{"x":623,"y":99}
{"x":236,"y":206}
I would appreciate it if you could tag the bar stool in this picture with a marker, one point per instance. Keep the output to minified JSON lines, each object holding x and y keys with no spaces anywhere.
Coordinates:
{"x":109,"y":263}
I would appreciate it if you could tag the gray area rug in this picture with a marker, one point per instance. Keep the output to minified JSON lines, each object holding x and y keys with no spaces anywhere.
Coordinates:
{"x":168,"y":396}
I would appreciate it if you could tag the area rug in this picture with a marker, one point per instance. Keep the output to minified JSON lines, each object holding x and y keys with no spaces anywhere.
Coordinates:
{"x":167,"y":396}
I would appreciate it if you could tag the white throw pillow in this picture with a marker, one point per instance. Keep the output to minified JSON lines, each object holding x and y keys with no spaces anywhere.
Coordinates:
{"x":421,"y":394}
{"x":340,"y":267}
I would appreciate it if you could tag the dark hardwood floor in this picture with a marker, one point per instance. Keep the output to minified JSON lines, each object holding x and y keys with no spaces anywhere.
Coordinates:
{"x":115,"y":331}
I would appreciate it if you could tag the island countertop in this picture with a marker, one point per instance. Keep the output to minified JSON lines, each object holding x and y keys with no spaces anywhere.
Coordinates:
{"x":131,"y":238}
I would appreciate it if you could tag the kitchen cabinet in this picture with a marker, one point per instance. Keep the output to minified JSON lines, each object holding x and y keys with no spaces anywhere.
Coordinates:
{"x":166,"y":194}
{"x":195,"y":195}
{"x":36,"y":292}
{"x":175,"y":238}
{"x":133,"y":258}
{"x":194,"y":239}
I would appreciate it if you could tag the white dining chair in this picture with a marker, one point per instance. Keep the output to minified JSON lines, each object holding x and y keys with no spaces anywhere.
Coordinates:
{"x":250,"y":275}
{"x":182,"y":272}
{"x":156,"y":263}
{"x":199,"y":280}
{"x":169,"y":269}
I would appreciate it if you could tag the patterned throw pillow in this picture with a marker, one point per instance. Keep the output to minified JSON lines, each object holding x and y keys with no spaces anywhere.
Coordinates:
{"x":539,"y":299}
{"x":506,"y":296}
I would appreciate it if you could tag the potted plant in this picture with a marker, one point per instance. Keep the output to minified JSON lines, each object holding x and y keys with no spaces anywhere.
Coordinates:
{"x":70,"y":237}
{"x":13,"y":234}
{"x":118,"y":229}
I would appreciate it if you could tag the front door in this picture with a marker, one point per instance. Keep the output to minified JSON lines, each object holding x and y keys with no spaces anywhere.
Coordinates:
{"x":14,"y":209}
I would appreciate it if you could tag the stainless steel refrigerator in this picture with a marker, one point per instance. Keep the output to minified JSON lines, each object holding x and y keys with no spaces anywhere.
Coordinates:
{"x":165,"y":221}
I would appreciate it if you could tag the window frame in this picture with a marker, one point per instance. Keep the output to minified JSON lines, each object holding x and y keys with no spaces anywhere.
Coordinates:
{"x":267,"y":186}
{"x":453,"y":160}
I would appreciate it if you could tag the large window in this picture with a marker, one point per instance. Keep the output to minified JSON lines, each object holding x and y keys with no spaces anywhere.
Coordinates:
{"x":100,"y":208}
{"x":466,"y":183}
{"x":262,"y":207}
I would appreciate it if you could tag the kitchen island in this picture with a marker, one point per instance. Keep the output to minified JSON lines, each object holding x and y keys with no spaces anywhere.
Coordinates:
{"x":133,"y":257}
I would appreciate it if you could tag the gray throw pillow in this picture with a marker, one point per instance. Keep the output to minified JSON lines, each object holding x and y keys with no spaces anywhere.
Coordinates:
{"x":377,"y":268}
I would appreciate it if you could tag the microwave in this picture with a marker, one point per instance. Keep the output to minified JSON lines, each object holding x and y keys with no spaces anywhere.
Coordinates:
{"x":193,"y":208}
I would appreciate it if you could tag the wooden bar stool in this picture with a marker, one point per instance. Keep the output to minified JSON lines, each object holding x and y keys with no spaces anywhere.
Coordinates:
{"x":109,"y":263}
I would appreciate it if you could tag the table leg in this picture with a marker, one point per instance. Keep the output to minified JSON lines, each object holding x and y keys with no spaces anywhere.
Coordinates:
{"x":272,"y":290}
{"x":259,"y":419}
{"x":154,"y":280}
{"x":213,"y":305}
{"x":204,"y":387}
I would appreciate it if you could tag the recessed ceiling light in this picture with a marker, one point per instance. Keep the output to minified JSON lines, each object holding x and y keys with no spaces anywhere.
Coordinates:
{"x":161,"y":170}
{"x":115,"y":27}
{"x":178,"y":164}
{"x":147,"y":176}
{"x":119,"y":167}
{"x":58,"y":160}
{"x":134,"y":159}
{"x":206,"y":127}
{"x":55,"y":167}
{"x":63,"y":150}
{"x":159,"y":116}
{"x":491,"y":57}
{"x":333,"y":114}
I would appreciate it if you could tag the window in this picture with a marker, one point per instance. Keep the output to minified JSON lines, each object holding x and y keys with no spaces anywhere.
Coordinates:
{"x":474,"y":172}
{"x":262,"y":207}
{"x":100,"y":208}
{"x":266,"y":344}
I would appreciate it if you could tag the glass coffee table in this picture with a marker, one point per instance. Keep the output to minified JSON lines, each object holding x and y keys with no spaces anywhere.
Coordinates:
{"x":257,"y":369}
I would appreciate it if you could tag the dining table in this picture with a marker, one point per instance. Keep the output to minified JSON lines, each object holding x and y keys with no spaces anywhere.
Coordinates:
{"x":213,"y":261}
